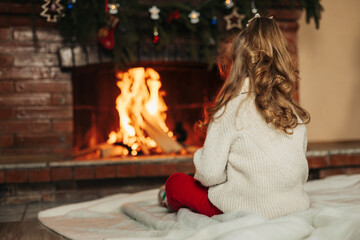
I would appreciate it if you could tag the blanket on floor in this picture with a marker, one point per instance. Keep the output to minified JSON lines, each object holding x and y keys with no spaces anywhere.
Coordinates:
{"x":334,"y":215}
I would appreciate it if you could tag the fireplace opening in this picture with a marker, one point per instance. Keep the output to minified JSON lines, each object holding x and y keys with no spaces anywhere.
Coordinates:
{"x":185,"y":88}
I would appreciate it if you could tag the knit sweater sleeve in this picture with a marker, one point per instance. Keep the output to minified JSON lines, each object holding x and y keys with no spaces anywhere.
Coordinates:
{"x":211,"y":160}
{"x":305,"y":141}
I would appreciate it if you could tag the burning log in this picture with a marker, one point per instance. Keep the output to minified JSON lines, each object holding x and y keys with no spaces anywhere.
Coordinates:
{"x":154,"y":130}
{"x":110,"y":150}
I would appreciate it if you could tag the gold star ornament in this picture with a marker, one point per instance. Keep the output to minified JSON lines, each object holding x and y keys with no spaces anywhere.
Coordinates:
{"x":233,"y":20}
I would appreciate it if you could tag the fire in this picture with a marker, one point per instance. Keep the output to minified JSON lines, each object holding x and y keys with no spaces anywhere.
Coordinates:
{"x":141,"y":111}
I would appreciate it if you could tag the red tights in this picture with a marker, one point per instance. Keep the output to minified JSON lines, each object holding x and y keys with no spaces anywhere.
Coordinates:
{"x":185,"y":191}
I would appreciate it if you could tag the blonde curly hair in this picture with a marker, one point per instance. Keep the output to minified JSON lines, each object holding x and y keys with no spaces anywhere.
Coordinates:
{"x":260,"y":52}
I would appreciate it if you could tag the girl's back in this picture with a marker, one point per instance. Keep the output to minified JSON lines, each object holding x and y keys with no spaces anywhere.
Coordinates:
{"x":266,"y":167}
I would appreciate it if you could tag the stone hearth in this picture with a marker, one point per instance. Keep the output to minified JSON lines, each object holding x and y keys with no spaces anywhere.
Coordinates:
{"x":324,"y":160}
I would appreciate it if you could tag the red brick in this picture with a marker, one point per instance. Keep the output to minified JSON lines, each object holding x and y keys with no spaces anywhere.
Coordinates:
{"x":42,"y":140}
{"x":6,"y":87}
{"x":20,"y":99}
{"x":35,"y":60}
{"x":289,"y":28}
{"x":60,"y":174}
{"x":127,"y":170}
{"x":6,"y":61}
{"x":14,"y":126}
{"x":295,"y":95}
{"x":18,"y":8}
{"x":54,"y":47}
{"x":41,"y":126}
{"x":344,"y":160}
{"x":15,"y":176}
{"x":23,"y":47}
{"x":83,"y":173}
{"x":58,"y":74}
{"x":186,"y":167}
{"x":296,"y":85}
{"x":62,"y":99}
{"x":166,"y":169}
{"x":25,"y":34}
{"x":25,"y":73}
{"x":22,"y":21}
{"x":32,"y":153}
{"x":146,"y":170}
{"x":63,"y":126}
{"x":318,"y":162}
{"x":44,"y":112}
{"x":64,"y":151}
{"x":283,"y":12}
{"x":26,"y":20}
{"x":25,"y":126}
{"x":43,"y":86}
{"x":105,"y":172}
{"x":2,"y":178}
{"x":6,"y":141}
{"x":291,"y":40}
{"x":4,"y":21}
{"x":39,"y":175}
{"x":353,"y":170}
{"x":5,"y":33}
{"x":6,"y":113}
{"x":330,"y":172}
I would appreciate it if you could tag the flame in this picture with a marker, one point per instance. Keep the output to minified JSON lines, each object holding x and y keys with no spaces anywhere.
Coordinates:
{"x":140,"y":90}
{"x":152,"y":104}
{"x":112,"y":137}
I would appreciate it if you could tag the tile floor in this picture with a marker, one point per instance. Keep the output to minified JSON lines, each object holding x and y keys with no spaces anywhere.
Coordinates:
{"x":77,"y":192}
{"x":19,"y":221}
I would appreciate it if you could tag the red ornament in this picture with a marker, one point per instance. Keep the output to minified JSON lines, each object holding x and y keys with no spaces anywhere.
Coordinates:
{"x":174,"y":15}
{"x":106,"y":6}
{"x":105,"y":35}
{"x":106,"y":38}
{"x":156,"y":39}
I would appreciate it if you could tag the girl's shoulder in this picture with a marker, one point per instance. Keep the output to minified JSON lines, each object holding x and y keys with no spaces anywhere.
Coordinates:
{"x":239,"y":101}
{"x":247,"y":114}
{"x":228,"y":113}
{"x":236,"y":103}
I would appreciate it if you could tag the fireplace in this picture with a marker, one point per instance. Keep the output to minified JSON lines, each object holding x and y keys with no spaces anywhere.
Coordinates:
{"x":186,"y":87}
{"x":44,"y":118}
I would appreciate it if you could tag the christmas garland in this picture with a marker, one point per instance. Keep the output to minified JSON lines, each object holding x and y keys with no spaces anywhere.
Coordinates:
{"x":121,"y":26}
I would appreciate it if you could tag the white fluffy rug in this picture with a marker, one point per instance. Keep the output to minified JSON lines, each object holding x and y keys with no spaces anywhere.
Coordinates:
{"x":334,"y":215}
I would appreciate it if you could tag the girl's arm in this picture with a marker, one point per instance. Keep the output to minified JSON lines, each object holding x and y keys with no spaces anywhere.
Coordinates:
{"x":211,"y":160}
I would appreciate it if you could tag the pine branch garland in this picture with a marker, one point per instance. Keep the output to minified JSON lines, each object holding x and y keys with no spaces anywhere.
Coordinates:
{"x":135,"y":28}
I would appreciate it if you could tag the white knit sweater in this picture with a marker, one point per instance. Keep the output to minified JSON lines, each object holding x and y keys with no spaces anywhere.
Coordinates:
{"x":249,"y":165}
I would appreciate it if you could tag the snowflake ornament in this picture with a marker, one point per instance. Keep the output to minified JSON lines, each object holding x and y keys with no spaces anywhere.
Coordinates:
{"x":154,"y":12}
{"x":194,"y":17}
{"x":253,"y":7}
{"x":52,"y":10}
{"x":229,"y":4}
{"x":113,"y":8}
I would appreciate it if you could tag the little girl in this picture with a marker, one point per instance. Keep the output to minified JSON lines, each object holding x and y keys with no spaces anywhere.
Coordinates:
{"x":253,"y":158}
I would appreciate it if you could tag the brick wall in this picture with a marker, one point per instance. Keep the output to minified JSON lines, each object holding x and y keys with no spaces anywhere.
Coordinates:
{"x":35,"y":95}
